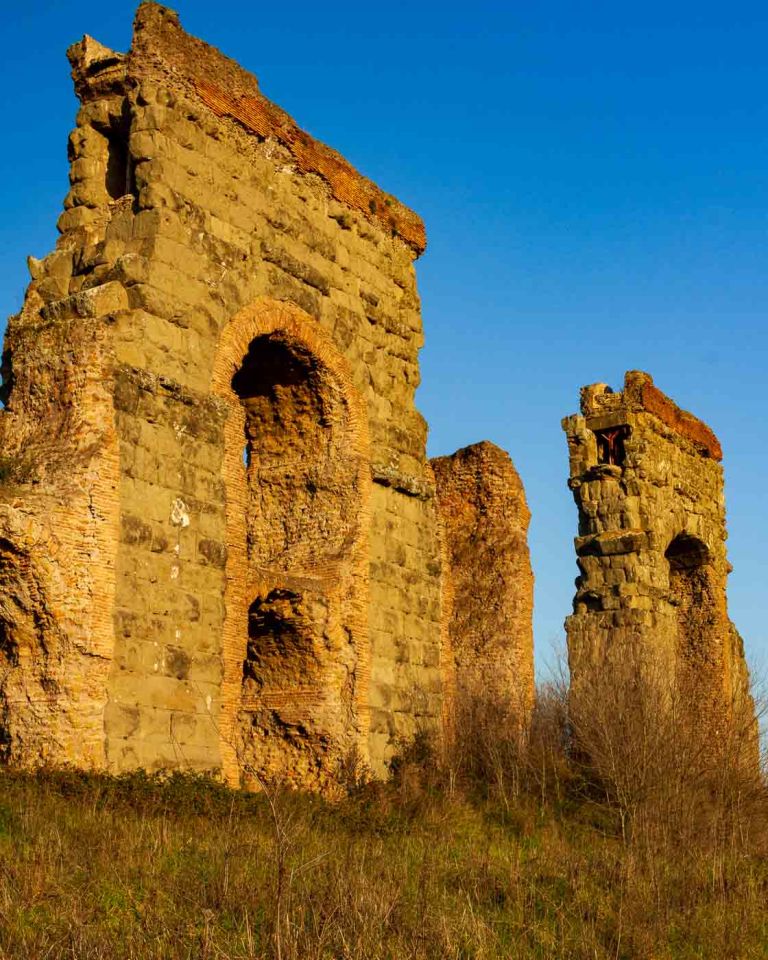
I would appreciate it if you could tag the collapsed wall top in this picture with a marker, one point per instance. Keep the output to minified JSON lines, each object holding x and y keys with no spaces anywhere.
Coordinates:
{"x":601,"y":406}
{"x":161,"y":46}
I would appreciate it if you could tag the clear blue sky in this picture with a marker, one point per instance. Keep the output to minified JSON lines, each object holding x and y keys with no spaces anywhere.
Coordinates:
{"x":593,"y":181}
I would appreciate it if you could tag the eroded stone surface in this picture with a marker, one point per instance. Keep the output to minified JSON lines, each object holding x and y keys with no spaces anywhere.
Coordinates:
{"x":485,"y":517}
{"x":651,"y":549}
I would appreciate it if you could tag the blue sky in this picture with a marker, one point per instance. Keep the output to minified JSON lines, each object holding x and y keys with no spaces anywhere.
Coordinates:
{"x":593,"y":181}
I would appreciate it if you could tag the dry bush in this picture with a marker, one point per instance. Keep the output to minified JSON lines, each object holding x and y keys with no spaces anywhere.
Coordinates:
{"x":678,"y":777}
{"x":506,"y":752}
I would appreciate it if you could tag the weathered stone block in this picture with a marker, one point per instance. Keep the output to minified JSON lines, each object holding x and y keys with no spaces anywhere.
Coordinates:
{"x":121,"y":720}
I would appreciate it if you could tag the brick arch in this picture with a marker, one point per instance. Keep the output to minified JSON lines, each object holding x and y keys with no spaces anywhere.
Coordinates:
{"x":309,"y":600}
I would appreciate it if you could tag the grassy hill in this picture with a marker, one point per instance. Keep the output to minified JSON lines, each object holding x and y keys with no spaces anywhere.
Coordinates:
{"x":501,"y":848}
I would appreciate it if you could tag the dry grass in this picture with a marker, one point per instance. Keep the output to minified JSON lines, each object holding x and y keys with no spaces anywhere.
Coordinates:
{"x":510,"y":845}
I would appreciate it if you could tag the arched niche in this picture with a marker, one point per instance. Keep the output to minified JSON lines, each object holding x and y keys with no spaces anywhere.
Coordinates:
{"x":296,"y":470}
{"x":698,"y":603}
{"x":686,"y":553}
{"x":302,"y":505}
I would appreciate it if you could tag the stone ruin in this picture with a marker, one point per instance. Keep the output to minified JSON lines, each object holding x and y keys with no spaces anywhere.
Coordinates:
{"x":222,"y":546}
{"x":485,"y":517}
{"x":648,"y":483}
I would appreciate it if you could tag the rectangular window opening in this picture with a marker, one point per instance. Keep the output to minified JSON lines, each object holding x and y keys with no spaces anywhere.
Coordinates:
{"x":120,"y":181}
{"x":610,"y":445}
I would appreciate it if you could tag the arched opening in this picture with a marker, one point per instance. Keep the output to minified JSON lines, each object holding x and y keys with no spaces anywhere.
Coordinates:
{"x":693,"y":595}
{"x":686,"y":553}
{"x":299,"y":474}
{"x":301,"y":500}
{"x":277,"y":632}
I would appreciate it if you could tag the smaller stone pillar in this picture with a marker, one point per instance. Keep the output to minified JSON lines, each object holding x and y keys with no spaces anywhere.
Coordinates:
{"x":648,"y":484}
{"x":485,"y":520}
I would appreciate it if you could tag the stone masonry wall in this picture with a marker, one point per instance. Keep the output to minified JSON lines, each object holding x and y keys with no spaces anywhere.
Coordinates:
{"x":198,"y":212}
{"x":485,"y":517}
{"x":220,"y":541}
{"x":58,"y":528}
{"x":648,"y":484}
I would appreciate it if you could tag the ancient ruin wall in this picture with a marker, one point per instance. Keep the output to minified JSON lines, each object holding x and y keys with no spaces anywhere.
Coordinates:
{"x":485,"y":517}
{"x":199,"y":215}
{"x":648,"y":483}
{"x":58,"y":522}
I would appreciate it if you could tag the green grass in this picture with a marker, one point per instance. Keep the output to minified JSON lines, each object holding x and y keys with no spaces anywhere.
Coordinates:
{"x":92,"y":867}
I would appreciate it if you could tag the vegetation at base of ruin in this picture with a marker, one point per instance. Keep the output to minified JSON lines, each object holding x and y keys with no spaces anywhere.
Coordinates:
{"x":501,"y":845}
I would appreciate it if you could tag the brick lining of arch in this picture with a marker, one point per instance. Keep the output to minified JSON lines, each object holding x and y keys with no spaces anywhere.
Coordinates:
{"x":343,"y":581}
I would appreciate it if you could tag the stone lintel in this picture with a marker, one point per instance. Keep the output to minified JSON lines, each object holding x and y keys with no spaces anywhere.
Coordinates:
{"x":607,"y":421}
{"x":611,"y":544}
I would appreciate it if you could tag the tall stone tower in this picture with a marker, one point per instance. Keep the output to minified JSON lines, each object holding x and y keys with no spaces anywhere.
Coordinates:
{"x":648,"y":483}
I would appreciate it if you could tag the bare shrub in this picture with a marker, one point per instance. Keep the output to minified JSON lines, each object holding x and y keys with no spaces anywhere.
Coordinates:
{"x":675,"y":776}
{"x":506,"y":752}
